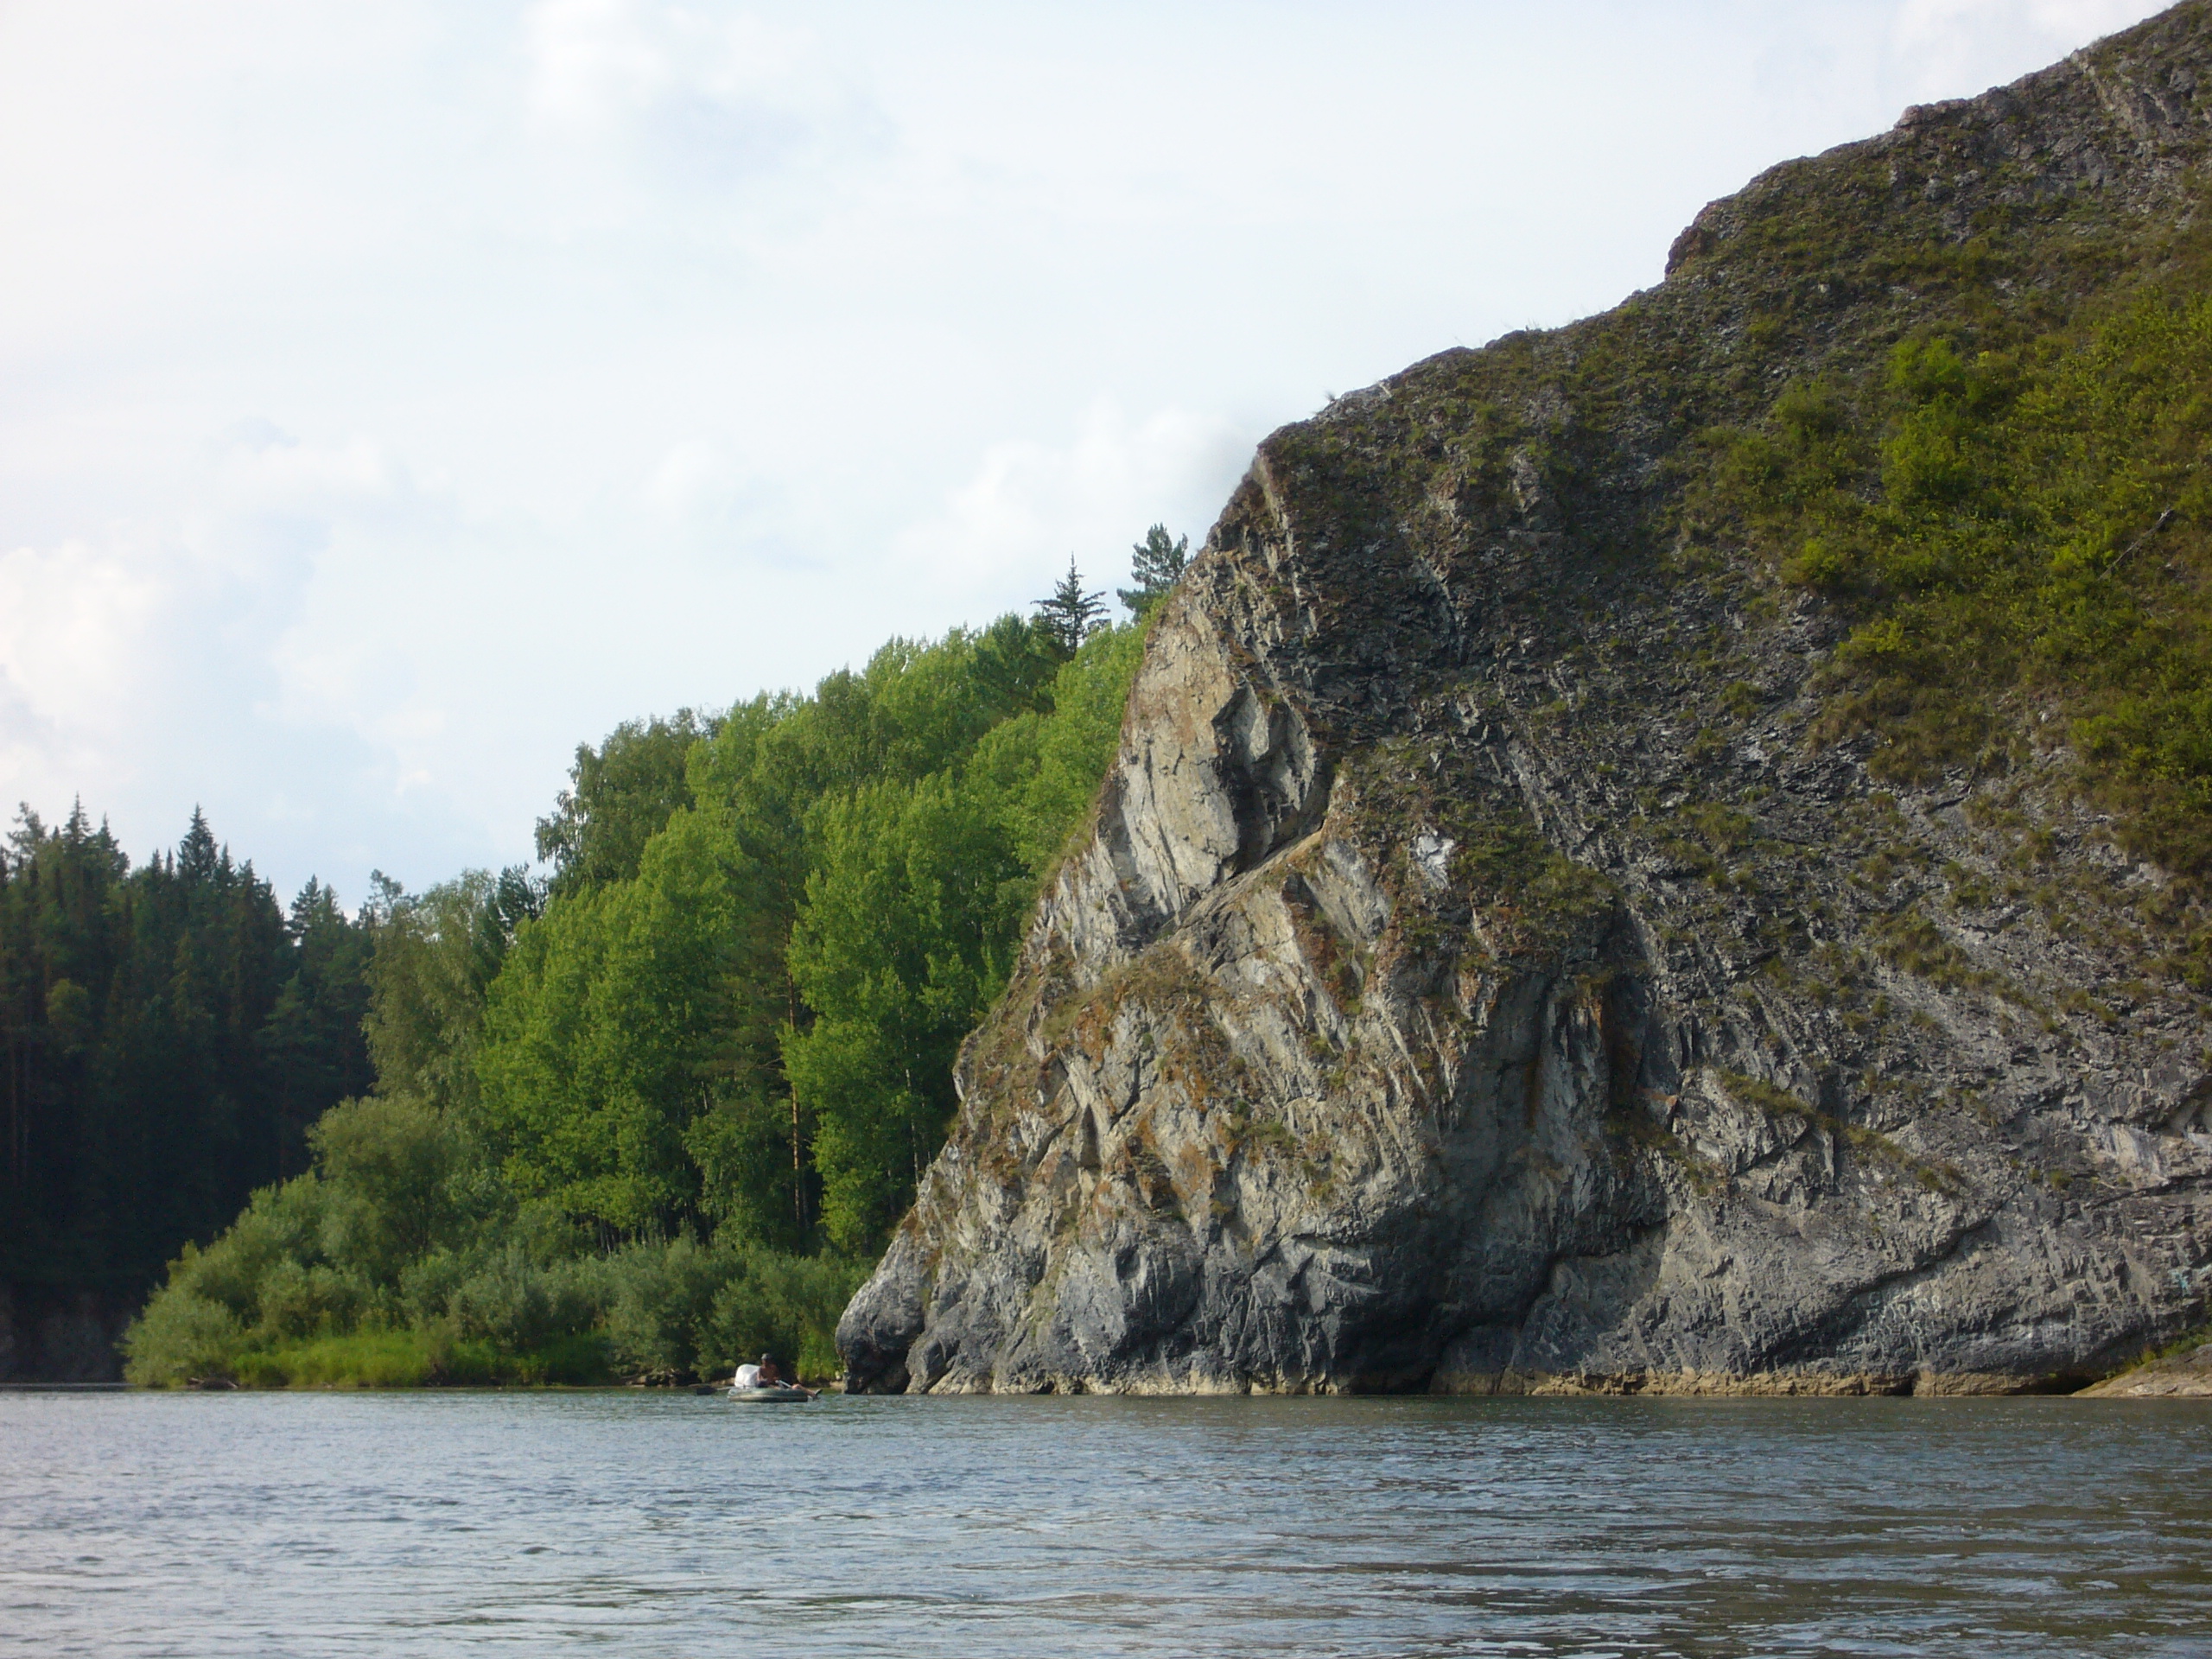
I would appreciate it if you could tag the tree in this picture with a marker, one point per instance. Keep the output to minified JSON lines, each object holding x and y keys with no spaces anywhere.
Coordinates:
{"x":1157,"y":564}
{"x":608,"y":1103}
{"x":313,"y":1043}
{"x":435,"y":954}
{"x":626,"y":1013}
{"x":619,"y":796}
{"x":912,"y":914}
{"x":1069,"y":616}
{"x":165,"y":1037}
{"x":196,"y":856}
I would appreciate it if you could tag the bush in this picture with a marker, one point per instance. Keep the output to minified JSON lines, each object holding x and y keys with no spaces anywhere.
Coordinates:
{"x":317,"y":1299}
{"x":280,"y":1225}
{"x":427,"y":1287}
{"x":366,"y":1359}
{"x":179,"y":1336}
{"x":658,"y":1301}
{"x":518,"y":1305}
{"x":387,"y":1163}
{"x":784,"y":1305}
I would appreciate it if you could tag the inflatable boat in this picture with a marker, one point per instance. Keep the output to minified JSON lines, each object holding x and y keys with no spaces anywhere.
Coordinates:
{"x":775,"y":1393}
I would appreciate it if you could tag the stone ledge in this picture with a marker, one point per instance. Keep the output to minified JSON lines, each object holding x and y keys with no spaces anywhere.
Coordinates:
{"x":2183,"y":1376}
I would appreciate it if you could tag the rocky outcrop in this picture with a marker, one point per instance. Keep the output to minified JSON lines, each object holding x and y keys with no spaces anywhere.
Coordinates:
{"x":1481,"y":976}
{"x":2183,"y":1376}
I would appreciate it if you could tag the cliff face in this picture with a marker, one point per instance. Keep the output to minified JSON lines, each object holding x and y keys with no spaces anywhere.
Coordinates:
{"x":1486,"y":971}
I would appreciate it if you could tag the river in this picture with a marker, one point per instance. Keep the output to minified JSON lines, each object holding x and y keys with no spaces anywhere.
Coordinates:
{"x":636,"y":1523}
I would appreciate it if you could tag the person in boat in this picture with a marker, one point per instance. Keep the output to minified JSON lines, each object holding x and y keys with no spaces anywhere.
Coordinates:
{"x":765,"y":1375}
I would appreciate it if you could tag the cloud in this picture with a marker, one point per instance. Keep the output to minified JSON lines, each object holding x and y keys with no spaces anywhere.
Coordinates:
{"x":80,"y":632}
{"x":692,"y":92}
{"x":263,"y":469}
{"x":262,"y":650}
{"x":1100,"y":490}
{"x":696,"y":488}
{"x":1940,"y":43}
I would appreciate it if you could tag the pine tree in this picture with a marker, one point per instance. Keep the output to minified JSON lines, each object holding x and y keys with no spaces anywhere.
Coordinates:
{"x":1071,"y":616}
{"x":196,"y":855}
{"x":1156,"y":565}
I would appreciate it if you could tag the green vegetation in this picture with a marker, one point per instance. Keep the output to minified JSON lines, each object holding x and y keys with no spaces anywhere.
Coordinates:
{"x":1068,"y":614}
{"x":2020,"y":535}
{"x":658,"y":1114}
{"x":168,"y":1034}
{"x":1157,"y":565}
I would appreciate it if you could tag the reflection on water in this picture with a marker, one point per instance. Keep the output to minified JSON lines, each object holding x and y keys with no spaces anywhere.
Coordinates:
{"x":433,"y":1523}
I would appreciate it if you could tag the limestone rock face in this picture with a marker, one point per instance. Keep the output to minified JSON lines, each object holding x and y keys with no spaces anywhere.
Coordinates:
{"x":1480,"y":975}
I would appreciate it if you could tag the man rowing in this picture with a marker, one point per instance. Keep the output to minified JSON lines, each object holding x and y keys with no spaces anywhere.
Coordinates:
{"x":765,"y":1374}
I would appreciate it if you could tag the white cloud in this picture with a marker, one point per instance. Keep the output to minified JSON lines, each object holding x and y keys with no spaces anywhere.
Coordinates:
{"x":79,"y":628}
{"x":266,"y":470}
{"x":695,"y":95}
{"x":597,"y":62}
{"x":696,"y":487}
{"x":1030,"y":503}
{"x":1941,"y":44}
{"x":594,"y":61}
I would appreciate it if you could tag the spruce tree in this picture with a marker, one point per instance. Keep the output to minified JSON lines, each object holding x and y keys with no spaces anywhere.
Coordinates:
{"x":197,"y":856}
{"x":1069,"y":616}
{"x":1156,"y":564}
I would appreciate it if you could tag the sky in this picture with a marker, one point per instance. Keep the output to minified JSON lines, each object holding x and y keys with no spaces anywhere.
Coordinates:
{"x":394,"y":394}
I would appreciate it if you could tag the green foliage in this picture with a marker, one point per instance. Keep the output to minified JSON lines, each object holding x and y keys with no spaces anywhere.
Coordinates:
{"x":619,"y":796}
{"x":620,"y":1019}
{"x":614,"y":1127}
{"x":756,"y":1030}
{"x":689,"y":1309}
{"x":285,"y":1300}
{"x":521,"y":1304}
{"x":2012,"y":531}
{"x":912,"y":918}
{"x":784,"y":1305}
{"x":167,"y":1034}
{"x":181,"y":1337}
{"x":1039,"y":772}
{"x":390,"y":1162}
{"x":906,"y":937}
{"x":1068,"y":616}
{"x":1156,"y":565}
{"x":435,"y":953}
{"x":365,"y":1359}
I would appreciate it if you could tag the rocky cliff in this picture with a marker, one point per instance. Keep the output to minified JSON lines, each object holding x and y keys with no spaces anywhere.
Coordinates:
{"x":1493,"y":967}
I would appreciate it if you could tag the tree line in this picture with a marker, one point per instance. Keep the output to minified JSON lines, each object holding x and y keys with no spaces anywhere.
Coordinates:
{"x":168,"y":1035}
{"x":668,"y":1100}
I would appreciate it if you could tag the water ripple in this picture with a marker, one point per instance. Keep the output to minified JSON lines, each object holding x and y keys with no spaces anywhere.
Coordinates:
{"x":441,"y":1523}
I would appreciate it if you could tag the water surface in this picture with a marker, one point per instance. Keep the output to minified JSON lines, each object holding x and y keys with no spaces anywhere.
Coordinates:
{"x":428,"y":1524}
